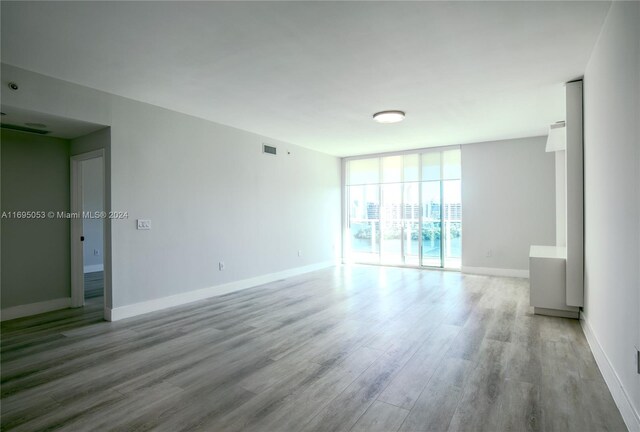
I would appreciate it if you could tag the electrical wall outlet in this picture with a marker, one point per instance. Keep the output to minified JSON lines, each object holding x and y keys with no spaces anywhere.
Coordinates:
{"x":299,"y":253}
{"x":489,"y":253}
{"x":221,"y":265}
{"x":144,"y":224}
{"x":96,"y":252}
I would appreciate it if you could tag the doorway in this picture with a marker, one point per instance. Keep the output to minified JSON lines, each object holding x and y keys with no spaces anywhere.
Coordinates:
{"x":88,"y":229}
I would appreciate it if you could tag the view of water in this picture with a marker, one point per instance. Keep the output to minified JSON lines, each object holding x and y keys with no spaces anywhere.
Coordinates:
{"x":392,"y":246}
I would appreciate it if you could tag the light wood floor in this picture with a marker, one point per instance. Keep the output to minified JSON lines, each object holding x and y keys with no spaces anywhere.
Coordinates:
{"x":350,"y":348}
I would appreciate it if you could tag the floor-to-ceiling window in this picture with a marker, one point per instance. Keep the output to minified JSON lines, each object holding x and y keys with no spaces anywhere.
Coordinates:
{"x":404,"y":209}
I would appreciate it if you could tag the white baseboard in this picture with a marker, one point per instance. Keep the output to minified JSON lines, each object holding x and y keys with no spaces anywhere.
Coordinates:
{"x":629,"y":414}
{"x":93,"y":268}
{"x":34,"y":308}
{"x":491,"y":271}
{"x":106,"y":314}
{"x":135,"y":309}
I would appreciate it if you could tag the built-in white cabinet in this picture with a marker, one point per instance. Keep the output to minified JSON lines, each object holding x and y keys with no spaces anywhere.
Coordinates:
{"x":574,"y":161}
{"x":557,"y":272}
{"x":547,"y":279}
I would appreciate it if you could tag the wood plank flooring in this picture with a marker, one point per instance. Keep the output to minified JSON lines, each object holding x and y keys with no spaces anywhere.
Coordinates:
{"x":352,"y":348}
{"x":93,"y":284}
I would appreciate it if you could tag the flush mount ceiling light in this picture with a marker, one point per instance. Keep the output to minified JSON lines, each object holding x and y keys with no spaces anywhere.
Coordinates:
{"x":389,"y":116}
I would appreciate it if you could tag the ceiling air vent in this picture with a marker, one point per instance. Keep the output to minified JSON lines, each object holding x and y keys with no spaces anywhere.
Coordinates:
{"x":24,"y":129}
{"x":269,"y":149}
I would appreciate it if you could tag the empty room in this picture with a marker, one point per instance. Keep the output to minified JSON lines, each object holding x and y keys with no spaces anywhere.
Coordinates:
{"x":289,"y":216}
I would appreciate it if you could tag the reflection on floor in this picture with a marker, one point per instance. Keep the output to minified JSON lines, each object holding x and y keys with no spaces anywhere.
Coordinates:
{"x":351,"y":348}
{"x":93,"y":285}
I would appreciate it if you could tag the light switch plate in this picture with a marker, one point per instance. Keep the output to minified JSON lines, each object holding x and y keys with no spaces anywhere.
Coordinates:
{"x":144,"y":224}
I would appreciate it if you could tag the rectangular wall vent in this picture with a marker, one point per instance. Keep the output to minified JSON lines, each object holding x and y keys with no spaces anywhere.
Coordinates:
{"x":269,"y":149}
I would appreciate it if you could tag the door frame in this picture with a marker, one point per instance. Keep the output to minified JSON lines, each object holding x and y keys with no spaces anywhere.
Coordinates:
{"x":77,"y":259}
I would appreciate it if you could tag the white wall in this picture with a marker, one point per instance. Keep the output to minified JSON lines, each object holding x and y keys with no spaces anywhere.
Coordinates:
{"x":612,"y":203}
{"x":92,"y":201}
{"x":210,"y":192}
{"x":508,"y":196}
{"x":561,"y":197}
{"x":35,"y":252}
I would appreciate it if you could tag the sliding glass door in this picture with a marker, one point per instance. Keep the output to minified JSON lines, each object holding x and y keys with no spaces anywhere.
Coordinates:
{"x":441,"y":209}
{"x":405,"y":209}
{"x":364,"y":223}
{"x":391,"y":224}
{"x":452,"y":223}
{"x":411,"y":224}
{"x":431,"y":224}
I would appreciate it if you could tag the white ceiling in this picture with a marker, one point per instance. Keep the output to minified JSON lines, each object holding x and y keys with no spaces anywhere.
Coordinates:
{"x":313,"y":73}
{"x":59,"y":127}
